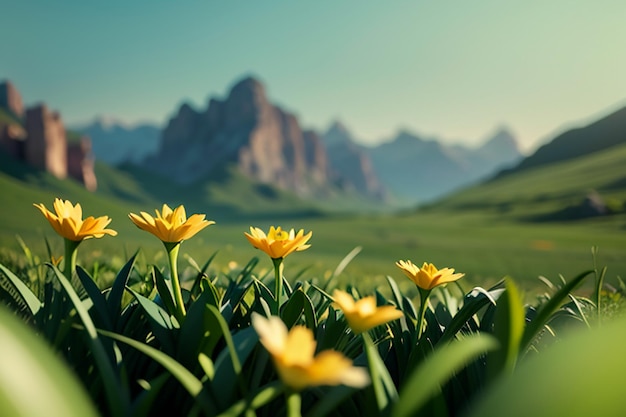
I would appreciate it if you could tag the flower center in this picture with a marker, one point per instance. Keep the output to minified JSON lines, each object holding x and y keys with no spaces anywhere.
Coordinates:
{"x":279,"y":234}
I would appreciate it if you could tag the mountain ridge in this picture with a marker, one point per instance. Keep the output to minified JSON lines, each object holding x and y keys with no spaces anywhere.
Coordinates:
{"x":424,"y":169}
{"x":603,"y":133}
{"x":264,"y":141}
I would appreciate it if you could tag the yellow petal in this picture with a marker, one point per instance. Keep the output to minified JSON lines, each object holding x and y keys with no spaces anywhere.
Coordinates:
{"x":171,"y":226}
{"x":364,"y":314}
{"x":69,"y":224}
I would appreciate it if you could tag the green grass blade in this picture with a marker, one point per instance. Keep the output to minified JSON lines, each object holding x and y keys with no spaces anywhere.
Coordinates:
{"x":472,"y":303}
{"x":192,"y":338}
{"x":118,"y":401}
{"x":228,"y":362}
{"x":33,"y":380}
{"x":201,"y":271}
{"x":117,"y":290}
{"x":428,"y":378}
{"x":164,"y":288}
{"x":31,"y":299}
{"x":383,"y":387}
{"x":96,"y":297}
{"x":329,"y":399}
{"x":580,"y":376}
{"x":261,"y":397}
{"x":508,"y":329}
{"x":328,"y":284}
{"x":192,"y":384}
{"x":160,"y":320}
{"x":547,"y":309}
{"x":395,"y":291}
{"x":299,"y":303}
{"x":144,"y":401}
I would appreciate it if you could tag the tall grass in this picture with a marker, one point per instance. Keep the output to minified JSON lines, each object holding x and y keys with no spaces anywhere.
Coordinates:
{"x":120,"y":339}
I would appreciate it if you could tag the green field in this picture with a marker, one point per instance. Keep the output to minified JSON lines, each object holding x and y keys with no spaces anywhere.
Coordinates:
{"x":484,"y":231}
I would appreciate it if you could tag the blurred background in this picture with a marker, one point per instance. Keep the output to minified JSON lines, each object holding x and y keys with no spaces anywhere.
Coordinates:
{"x":485,"y":136}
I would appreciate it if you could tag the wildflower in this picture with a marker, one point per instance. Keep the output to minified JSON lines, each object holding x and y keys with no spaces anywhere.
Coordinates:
{"x":68,"y":221}
{"x":428,"y":276}
{"x":363,"y":314}
{"x":278,"y":243}
{"x":293,"y":354}
{"x":171,"y":226}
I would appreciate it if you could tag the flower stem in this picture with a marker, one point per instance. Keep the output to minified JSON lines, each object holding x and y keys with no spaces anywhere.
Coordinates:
{"x":385,"y":392}
{"x":424,"y":294}
{"x":278,"y":278}
{"x":294,"y":404}
{"x":71,"y":250}
{"x":172,"y":253}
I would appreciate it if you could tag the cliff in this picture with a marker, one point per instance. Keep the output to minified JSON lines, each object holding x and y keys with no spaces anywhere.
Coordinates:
{"x":264,"y":142}
{"x":38,"y":138}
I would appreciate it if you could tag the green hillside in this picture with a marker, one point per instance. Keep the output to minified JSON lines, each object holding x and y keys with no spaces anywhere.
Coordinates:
{"x":542,"y":191}
{"x":231,"y":197}
{"x":234,"y":200}
{"x":602,"y":134}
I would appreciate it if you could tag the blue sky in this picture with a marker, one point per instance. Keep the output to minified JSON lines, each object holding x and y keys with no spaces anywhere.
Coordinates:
{"x":452,"y":69}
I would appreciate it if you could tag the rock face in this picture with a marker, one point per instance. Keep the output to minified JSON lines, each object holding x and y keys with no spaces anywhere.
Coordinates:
{"x":80,"y":163}
{"x":351,"y":164}
{"x":265,"y":142}
{"x":46,"y":144}
{"x":11,"y":99}
{"x":40,"y":140}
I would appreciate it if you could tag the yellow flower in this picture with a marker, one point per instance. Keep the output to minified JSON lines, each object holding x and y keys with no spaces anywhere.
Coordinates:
{"x":68,"y":221}
{"x":278,"y":243}
{"x":293,"y":354}
{"x":428,"y":276}
{"x":171,"y":226}
{"x":363,"y":314}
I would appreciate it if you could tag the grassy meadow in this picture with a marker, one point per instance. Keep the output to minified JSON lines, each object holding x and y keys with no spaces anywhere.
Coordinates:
{"x":347,"y":333}
{"x":487,"y":232}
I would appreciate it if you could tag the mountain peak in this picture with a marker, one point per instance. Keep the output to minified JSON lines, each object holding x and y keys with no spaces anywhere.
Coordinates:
{"x":337,"y":134}
{"x":339,"y":127}
{"x":502,"y":138}
{"x":406,"y":138}
{"x":248,"y":87}
{"x":500,"y":146}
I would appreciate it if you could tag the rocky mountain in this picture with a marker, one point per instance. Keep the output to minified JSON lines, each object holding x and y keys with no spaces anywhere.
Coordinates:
{"x":36,"y":136}
{"x":264,"y":142}
{"x":116,"y":144}
{"x":351,"y":163}
{"x":419,"y":170}
{"x":602,"y":134}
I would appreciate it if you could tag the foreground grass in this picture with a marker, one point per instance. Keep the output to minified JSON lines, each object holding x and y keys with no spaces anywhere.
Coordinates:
{"x":129,"y":350}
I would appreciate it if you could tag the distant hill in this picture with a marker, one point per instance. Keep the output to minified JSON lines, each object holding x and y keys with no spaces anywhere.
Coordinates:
{"x":589,"y":185}
{"x":127,"y":188}
{"x":605,"y":133}
{"x":116,"y":144}
{"x":420,"y":170}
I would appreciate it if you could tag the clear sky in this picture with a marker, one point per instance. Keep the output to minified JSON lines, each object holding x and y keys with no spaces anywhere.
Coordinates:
{"x":453,"y":69}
